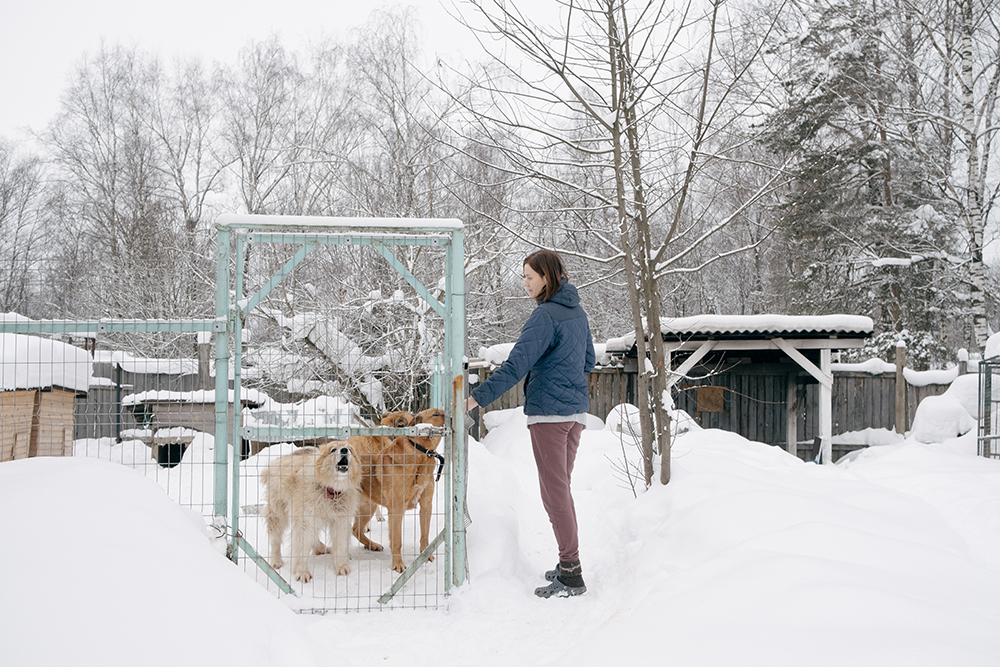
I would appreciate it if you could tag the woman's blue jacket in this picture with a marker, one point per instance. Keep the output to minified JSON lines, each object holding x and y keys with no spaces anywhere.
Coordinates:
{"x":555,"y":352}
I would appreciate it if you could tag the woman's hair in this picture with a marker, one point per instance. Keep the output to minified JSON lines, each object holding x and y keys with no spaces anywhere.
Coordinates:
{"x":548,"y":265}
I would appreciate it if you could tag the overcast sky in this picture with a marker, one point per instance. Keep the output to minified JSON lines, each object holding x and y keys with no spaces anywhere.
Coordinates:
{"x":41,"y":40}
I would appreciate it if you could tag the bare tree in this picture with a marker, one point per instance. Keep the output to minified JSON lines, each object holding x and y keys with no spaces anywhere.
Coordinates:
{"x":106,"y":165}
{"x":615,"y":109}
{"x":183,"y":123}
{"x":20,"y":199}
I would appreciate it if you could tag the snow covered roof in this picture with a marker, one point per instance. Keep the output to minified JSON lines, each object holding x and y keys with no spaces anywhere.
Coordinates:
{"x":743,"y":327}
{"x":141,"y":365}
{"x":250,"y":397}
{"x":32,"y":362}
{"x":767,"y":325}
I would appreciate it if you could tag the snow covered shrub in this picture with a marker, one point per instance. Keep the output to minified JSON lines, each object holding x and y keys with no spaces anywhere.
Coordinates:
{"x":923,"y":351}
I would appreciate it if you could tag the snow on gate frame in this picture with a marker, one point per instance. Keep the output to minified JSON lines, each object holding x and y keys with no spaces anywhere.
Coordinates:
{"x":379,"y":233}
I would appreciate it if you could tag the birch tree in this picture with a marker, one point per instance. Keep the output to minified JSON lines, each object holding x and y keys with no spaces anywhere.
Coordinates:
{"x":891,"y":112}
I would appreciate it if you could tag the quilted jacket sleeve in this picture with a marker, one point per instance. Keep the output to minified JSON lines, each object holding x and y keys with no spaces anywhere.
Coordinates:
{"x":535,"y":339}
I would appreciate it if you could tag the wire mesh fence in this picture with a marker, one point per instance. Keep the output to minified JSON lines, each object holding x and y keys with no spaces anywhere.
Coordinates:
{"x":989,"y":407}
{"x":309,"y":493}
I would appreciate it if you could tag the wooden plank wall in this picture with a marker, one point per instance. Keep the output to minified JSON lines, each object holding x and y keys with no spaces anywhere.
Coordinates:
{"x":36,"y":423}
{"x":98,"y":414}
{"x":755,"y":402}
{"x":16,"y":410}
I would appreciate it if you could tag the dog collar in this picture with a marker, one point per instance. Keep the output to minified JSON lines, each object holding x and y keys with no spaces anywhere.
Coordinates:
{"x":430,"y":453}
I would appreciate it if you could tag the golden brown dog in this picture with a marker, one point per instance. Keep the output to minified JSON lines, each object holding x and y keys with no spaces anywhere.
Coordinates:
{"x":368,"y":447}
{"x":400,"y":477}
{"x":310,"y":489}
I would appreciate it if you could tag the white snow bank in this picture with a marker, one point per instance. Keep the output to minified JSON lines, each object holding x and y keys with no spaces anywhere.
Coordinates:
{"x":893,"y":559}
{"x":940,"y":418}
{"x":872,"y":437}
{"x":100,"y":567}
{"x":32,"y":362}
{"x":992,"y":346}
{"x":965,"y":389}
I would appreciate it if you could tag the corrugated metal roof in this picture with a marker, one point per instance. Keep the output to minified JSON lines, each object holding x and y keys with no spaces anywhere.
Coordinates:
{"x":768,"y":325}
{"x":734,"y":327}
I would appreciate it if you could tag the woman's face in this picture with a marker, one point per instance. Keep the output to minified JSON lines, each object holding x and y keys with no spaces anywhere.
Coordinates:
{"x":533,"y":282}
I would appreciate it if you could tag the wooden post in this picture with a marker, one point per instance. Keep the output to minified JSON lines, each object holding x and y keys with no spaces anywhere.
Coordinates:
{"x":204,"y":352}
{"x":792,"y":415}
{"x":826,"y":408}
{"x":900,"y":387}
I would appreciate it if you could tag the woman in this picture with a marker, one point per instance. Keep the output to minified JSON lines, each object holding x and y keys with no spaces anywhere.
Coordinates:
{"x":554,"y":353}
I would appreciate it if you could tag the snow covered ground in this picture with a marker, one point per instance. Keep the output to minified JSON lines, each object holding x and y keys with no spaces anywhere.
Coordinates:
{"x":748,"y":557}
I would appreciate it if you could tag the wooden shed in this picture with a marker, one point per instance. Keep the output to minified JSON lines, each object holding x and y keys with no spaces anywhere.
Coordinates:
{"x":39,"y":382}
{"x":748,"y":373}
{"x":193,"y":410}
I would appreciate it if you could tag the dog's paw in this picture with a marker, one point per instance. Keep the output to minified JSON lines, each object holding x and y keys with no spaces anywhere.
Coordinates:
{"x":320,"y":549}
{"x":430,"y":559}
{"x":373,"y":546}
{"x":398,"y":566}
{"x":305,"y":576}
{"x":277,"y":563}
{"x":343,"y":569}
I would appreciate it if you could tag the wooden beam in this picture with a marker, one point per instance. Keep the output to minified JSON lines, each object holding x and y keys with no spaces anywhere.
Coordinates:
{"x":825,"y":377}
{"x":689,"y":363}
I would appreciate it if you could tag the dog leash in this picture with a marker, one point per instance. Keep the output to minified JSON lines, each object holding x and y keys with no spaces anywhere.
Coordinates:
{"x":430,"y":453}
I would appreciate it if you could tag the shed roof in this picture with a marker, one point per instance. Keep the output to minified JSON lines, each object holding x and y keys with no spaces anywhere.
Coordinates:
{"x":757,"y":326}
{"x":32,"y":362}
{"x":750,"y":327}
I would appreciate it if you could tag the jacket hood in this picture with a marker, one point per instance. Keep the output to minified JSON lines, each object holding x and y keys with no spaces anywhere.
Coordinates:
{"x":566,"y":296}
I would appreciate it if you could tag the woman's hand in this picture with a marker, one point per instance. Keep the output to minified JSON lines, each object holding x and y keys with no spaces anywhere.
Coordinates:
{"x":470,"y":403}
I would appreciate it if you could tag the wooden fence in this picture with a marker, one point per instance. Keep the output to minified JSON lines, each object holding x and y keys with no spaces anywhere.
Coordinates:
{"x":755,"y":401}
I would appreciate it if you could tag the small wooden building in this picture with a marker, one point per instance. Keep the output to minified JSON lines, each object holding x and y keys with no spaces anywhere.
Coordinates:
{"x":195,"y":411}
{"x":767,"y":377}
{"x":39,"y":382}
{"x":749,"y":373}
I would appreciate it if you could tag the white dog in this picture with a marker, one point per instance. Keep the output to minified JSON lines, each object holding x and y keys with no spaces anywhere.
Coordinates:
{"x":311,"y":489}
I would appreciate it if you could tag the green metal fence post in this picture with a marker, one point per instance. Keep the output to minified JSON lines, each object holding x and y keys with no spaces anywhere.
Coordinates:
{"x":455,"y":373}
{"x":237,"y":326}
{"x":222,"y":328}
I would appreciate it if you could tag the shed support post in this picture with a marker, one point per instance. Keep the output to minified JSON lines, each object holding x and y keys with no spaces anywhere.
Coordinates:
{"x":791,"y":415}
{"x":826,"y":409}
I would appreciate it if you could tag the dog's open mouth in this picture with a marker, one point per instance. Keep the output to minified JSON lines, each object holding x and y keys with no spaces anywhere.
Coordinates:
{"x":343,"y":464}
{"x":333,"y":494}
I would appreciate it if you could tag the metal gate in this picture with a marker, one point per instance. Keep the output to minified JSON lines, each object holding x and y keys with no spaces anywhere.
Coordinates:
{"x":360,"y":245}
{"x":989,"y":407}
{"x":222,"y":482}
